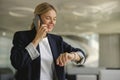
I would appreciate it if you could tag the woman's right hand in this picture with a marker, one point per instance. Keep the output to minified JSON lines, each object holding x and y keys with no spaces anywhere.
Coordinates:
{"x":41,"y":32}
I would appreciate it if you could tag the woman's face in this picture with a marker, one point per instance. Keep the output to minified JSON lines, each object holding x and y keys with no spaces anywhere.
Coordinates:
{"x":49,"y":18}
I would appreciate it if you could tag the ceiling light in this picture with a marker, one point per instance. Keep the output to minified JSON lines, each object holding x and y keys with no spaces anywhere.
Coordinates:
{"x":108,"y":6}
{"x":20,"y":11}
{"x":79,"y":28}
{"x":79,"y":13}
{"x":16,"y":14}
{"x":104,"y":8}
{"x":4,"y":33}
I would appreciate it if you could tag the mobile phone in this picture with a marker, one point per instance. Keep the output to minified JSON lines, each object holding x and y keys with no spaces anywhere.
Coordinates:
{"x":35,"y":21}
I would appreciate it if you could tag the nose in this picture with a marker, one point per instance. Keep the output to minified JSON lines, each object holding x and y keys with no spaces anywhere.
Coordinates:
{"x":51,"y":21}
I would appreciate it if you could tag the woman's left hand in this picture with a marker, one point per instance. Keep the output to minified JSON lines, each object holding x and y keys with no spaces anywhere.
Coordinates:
{"x":64,"y":58}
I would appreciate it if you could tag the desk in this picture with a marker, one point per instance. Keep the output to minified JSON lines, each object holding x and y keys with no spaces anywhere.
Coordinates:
{"x":74,"y":71}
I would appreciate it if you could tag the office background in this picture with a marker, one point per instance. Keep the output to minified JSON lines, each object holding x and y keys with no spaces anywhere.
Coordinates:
{"x":93,"y":25}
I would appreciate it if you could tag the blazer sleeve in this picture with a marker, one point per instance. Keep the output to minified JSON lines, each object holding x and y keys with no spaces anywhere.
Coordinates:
{"x":69,"y":48}
{"x":19,"y":57}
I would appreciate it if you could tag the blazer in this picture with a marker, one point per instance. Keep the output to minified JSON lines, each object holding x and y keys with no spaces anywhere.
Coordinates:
{"x":28,"y":69}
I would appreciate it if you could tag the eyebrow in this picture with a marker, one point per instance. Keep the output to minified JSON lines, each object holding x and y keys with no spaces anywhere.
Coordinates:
{"x":49,"y":16}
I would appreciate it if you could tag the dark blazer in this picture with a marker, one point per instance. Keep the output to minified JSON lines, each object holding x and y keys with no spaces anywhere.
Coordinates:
{"x":28,"y":69}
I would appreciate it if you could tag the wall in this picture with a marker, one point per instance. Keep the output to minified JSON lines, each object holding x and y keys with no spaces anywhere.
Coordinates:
{"x":109,"y":50}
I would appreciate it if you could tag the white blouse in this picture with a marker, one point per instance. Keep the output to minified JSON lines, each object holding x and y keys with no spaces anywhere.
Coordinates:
{"x":46,"y":60}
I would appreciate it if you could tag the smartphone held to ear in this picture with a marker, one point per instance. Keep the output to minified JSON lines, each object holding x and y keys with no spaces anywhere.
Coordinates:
{"x":35,"y":21}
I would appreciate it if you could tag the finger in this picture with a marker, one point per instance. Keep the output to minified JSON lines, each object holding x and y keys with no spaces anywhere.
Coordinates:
{"x":46,"y":28}
{"x":42,"y":29}
{"x":38,"y":24}
{"x":64,"y":58}
{"x":69,"y":57}
{"x":60,"y":60}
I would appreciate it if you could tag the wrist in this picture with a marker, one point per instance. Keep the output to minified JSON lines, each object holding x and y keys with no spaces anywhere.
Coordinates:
{"x":76,"y":57}
{"x":35,"y":42}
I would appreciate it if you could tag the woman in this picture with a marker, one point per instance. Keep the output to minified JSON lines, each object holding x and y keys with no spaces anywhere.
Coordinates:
{"x":38,"y":55}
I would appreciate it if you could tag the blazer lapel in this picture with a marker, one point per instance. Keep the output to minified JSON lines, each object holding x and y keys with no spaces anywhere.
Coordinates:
{"x":38,"y":48}
{"x":53,"y":47}
{"x":55,"y":53}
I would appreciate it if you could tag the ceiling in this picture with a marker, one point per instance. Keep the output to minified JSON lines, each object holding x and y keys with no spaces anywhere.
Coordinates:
{"x":73,"y":17}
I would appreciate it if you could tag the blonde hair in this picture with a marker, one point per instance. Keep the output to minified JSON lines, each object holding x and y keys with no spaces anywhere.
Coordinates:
{"x":41,"y":9}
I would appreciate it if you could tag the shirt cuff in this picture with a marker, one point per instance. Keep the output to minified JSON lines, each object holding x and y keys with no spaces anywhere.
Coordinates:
{"x":32,"y":51}
{"x":82,"y":61}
